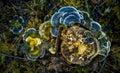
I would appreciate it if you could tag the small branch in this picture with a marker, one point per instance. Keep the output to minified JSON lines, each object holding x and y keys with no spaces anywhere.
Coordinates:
{"x":86,"y":5}
{"x":1,"y":54}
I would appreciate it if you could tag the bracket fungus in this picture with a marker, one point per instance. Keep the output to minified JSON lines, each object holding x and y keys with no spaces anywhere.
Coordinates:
{"x":44,"y":32}
{"x":66,"y":15}
{"x":82,"y":39}
{"x":17,"y":24}
{"x":33,"y":47}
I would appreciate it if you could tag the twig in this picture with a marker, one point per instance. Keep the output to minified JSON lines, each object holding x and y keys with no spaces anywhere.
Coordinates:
{"x":103,"y":65}
{"x":111,"y":66}
{"x":1,"y":54}
{"x":86,"y":3}
{"x":98,"y":6}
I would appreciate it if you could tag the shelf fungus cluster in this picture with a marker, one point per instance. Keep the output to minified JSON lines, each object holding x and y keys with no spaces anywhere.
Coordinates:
{"x":33,"y":44}
{"x":72,"y":34}
{"x":82,"y":39}
{"x":17,"y":24}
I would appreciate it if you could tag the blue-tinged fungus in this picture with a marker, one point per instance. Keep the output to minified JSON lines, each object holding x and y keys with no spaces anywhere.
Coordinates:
{"x":82,"y":22}
{"x":17,"y":29}
{"x":89,"y":40}
{"x":67,"y":9}
{"x":95,"y":26}
{"x":55,"y":19}
{"x":63,"y":17}
{"x":75,"y":14}
{"x":66,"y":15}
{"x":85,"y":14}
{"x":34,"y":44}
{"x":71,"y":19}
{"x":17,"y":24}
{"x":86,"y":18}
{"x":54,"y":32}
{"x":29,"y":32}
{"x":104,"y":45}
{"x":21,"y":20}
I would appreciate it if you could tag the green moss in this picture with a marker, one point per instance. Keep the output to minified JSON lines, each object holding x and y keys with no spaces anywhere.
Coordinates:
{"x":118,"y":57}
{"x":79,"y":70}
